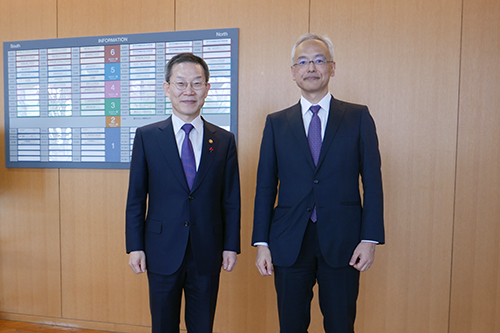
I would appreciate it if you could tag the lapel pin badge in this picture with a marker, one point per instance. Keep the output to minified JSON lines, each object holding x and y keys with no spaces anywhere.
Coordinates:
{"x":211,"y":149}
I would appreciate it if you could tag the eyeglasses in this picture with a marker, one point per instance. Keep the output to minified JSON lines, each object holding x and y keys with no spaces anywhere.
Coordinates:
{"x":303,"y":63}
{"x":182,"y":85}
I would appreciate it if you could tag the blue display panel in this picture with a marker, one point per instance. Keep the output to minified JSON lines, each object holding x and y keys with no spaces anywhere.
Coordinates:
{"x":76,"y":102}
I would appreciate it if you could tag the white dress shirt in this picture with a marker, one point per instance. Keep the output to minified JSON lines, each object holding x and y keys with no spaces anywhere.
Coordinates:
{"x":196,"y":136}
{"x":322,"y":113}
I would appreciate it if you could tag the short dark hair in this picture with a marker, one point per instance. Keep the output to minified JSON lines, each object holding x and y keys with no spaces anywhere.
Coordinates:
{"x":185,"y":57}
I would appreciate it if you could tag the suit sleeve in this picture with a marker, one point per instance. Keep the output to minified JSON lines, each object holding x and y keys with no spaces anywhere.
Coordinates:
{"x":231,"y":200}
{"x":137,"y":197}
{"x":267,"y":184}
{"x":372,"y":227}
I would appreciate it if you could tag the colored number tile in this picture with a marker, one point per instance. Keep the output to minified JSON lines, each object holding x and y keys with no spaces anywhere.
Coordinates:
{"x":112,"y":106}
{"x":113,"y":121}
{"x":112,"y":53}
{"x":113,"y":89}
{"x":112,"y":71}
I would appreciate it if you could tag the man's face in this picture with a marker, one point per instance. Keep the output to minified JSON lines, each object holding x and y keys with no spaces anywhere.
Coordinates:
{"x":313,"y":79}
{"x":187,"y":103}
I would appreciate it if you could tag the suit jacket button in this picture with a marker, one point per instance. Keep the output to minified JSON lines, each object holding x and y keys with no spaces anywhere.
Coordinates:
{"x":309,"y":209}
{"x":316,"y":181}
{"x":190,"y":197}
{"x":186,"y":224}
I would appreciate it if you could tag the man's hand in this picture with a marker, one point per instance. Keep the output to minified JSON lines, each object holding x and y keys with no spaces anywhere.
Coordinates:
{"x":363,"y":256}
{"x":229,"y":260}
{"x":263,"y":260}
{"x":137,"y":261}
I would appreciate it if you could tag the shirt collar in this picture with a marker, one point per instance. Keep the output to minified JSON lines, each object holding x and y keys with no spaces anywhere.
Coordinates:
{"x":178,"y":123}
{"x":324,"y":103}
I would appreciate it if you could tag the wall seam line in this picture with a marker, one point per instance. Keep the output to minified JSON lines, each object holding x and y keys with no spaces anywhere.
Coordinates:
{"x":456,"y":163}
{"x":309,"y":17}
{"x":59,"y":204}
{"x":175,"y":15}
{"x":60,"y":241}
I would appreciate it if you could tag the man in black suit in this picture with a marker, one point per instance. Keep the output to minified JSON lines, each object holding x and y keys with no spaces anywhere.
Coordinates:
{"x":320,"y":230}
{"x":183,"y":205}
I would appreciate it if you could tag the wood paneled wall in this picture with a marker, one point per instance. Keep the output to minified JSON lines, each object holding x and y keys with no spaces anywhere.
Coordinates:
{"x":429,"y":72}
{"x":30,"y":278}
{"x":475,"y":280}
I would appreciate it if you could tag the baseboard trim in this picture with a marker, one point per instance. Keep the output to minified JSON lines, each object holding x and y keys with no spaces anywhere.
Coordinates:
{"x":83,"y":324}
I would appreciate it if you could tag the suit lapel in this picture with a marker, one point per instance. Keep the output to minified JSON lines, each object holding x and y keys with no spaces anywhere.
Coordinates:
{"x":208,"y":152}
{"x":168,"y":146}
{"x":297,"y":125}
{"x":335,"y":116}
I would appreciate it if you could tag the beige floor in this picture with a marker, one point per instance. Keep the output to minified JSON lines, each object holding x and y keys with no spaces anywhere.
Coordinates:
{"x":7,"y":326}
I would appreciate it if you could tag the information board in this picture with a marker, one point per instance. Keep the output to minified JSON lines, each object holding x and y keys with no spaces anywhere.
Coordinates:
{"x":76,"y":102}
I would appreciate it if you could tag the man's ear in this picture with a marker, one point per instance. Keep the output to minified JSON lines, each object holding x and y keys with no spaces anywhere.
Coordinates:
{"x":334,"y":66}
{"x":166,"y":88}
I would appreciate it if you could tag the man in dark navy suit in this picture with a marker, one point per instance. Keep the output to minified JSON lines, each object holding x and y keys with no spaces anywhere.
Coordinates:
{"x":312,"y":156}
{"x":183,"y":205}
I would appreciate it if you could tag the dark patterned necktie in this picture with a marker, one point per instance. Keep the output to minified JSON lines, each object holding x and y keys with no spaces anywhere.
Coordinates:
{"x":314,"y":138}
{"x":314,"y":134}
{"x":187,"y":156}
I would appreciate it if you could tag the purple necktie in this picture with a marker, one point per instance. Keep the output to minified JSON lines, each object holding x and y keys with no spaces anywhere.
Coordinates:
{"x":187,"y":156}
{"x":314,"y":138}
